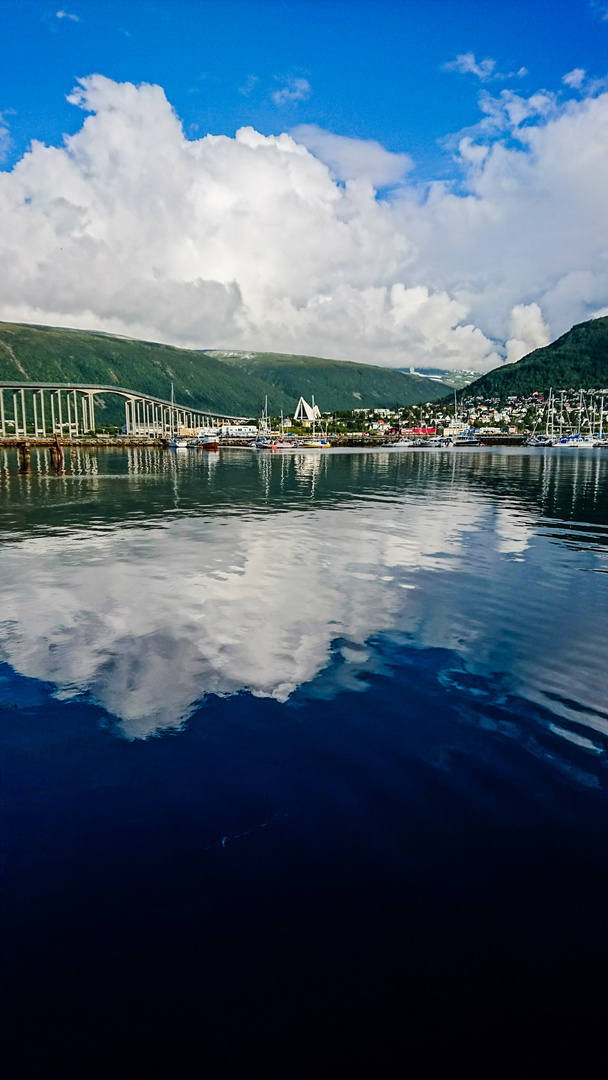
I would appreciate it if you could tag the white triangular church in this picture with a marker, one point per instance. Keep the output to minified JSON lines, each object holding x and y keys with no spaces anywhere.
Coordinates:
{"x":305,"y":413}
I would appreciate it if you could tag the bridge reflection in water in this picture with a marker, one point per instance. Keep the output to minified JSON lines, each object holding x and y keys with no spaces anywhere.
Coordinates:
{"x":68,"y":410}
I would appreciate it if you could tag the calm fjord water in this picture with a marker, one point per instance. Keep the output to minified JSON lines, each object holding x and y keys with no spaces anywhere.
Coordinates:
{"x":304,"y":764}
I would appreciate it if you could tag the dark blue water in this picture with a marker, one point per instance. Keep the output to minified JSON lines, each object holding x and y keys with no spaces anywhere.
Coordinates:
{"x":304,"y":765}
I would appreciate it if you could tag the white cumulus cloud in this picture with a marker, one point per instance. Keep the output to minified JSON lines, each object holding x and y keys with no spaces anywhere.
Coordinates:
{"x":282,"y":242}
{"x":528,"y":331}
{"x":574,"y":78}
{"x":354,"y":159}
{"x":294,"y":90}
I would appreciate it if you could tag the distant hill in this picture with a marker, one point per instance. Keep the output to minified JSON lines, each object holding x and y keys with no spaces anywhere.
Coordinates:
{"x":577,"y":359}
{"x":234,"y":383}
{"x":457,"y":379}
{"x":336,"y":384}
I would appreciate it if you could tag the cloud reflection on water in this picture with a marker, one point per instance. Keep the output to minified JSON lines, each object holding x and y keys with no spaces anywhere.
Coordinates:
{"x":148,"y":620}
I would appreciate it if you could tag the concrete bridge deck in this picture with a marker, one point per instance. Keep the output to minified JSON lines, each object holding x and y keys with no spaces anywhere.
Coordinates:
{"x":45,"y":409}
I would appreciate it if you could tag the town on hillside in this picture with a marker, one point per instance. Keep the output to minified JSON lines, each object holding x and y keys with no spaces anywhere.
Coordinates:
{"x":557,"y":412}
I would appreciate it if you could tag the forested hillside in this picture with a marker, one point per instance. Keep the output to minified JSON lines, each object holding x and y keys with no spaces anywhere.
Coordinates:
{"x":577,"y":359}
{"x":235,"y":383}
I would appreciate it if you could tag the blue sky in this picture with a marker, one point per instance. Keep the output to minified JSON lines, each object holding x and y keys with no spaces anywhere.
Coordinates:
{"x":416,"y":77}
{"x":375,"y":70}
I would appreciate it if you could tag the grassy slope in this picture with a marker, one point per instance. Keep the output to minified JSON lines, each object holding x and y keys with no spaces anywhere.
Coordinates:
{"x":201,"y":379}
{"x":577,"y":359}
{"x":336,"y":384}
{"x":49,"y":354}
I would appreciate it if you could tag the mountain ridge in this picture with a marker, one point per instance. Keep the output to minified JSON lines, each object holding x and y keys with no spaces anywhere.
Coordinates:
{"x":578,"y":358}
{"x":336,"y":384}
{"x":201,"y":379}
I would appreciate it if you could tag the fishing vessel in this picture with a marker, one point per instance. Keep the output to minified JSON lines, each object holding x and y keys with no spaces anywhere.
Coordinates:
{"x":463,"y":440}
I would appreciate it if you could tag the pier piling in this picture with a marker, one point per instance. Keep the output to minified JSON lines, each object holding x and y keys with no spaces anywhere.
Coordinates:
{"x":56,"y":454}
{"x":23,"y":451}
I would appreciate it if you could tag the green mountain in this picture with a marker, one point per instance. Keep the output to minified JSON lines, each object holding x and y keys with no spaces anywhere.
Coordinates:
{"x":227,"y":383}
{"x":49,"y":354}
{"x":577,"y":359}
{"x":336,"y":384}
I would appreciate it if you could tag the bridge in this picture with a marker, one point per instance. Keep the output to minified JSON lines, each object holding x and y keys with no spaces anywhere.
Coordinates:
{"x":68,"y":410}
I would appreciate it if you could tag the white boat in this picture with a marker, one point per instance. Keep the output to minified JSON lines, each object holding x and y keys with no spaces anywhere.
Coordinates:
{"x":575,"y":442}
{"x":463,"y":440}
{"x":316,"y":442}
{"x":177,"y":441}
{"x":539,"y":440}
{"x":283,"y":444}
{"x":264,"y":440}
{"x":209,"y":441}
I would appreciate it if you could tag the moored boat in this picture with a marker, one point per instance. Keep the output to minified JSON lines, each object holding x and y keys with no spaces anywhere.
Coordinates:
{"x":539,"y":440}
{"x":463,"y":440}
{"x":317,"y":444}
{"x":575,"y":442}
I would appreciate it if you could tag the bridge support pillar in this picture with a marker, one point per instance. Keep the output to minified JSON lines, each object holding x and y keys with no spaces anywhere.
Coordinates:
{"x":38,"y":400}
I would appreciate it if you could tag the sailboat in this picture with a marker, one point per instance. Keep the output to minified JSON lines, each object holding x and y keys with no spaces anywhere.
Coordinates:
{"x":176,"y":442}
{"x":548,"y":439}
{"x":601,"y":439}
{"x":315,"y":442}
{"x":265,"y":440}
{"x":576,"y":440}
{"x":283,"y":443}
